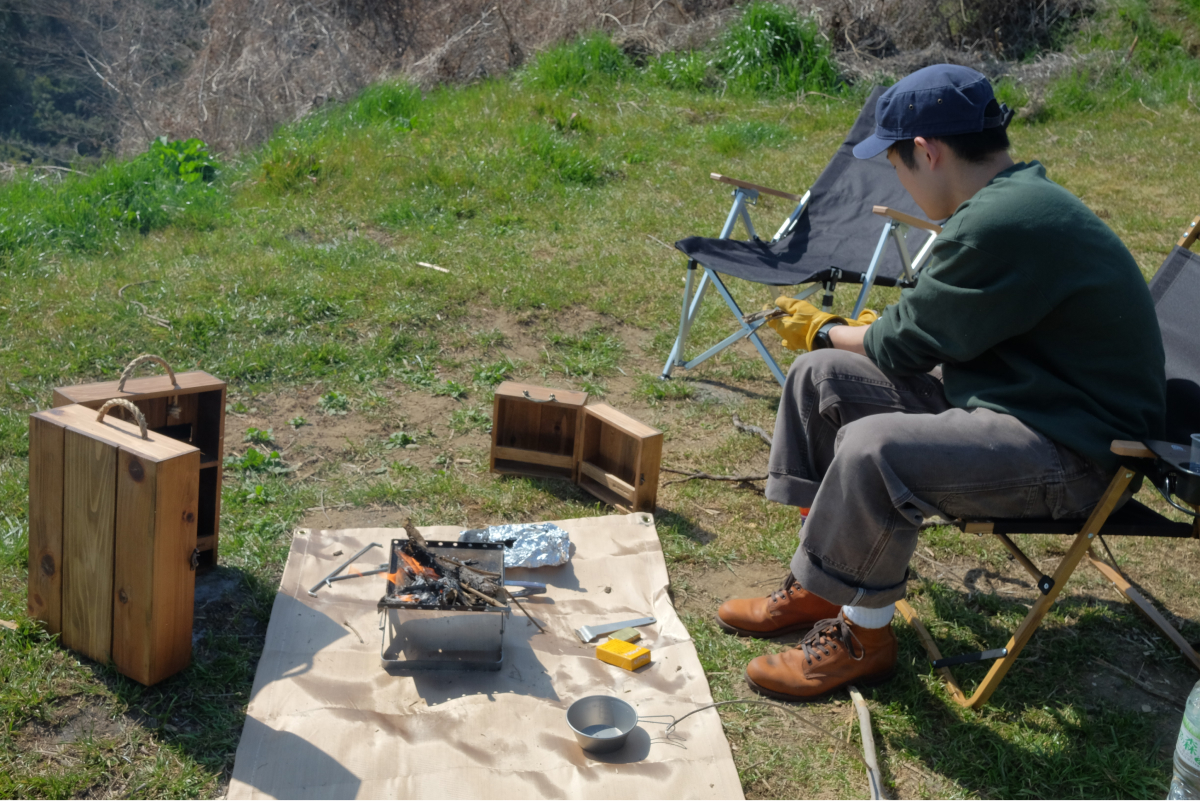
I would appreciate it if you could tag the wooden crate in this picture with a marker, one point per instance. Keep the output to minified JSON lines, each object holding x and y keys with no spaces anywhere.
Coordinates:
{"x":112,"y":539}
{"x":619,"y":459}
{"x":535,"y":431}
{"x":189,"y":407}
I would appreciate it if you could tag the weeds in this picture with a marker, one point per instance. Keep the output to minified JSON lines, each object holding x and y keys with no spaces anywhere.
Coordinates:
{"x":258,"y":436}
{"x":771,"y":50}
{"x":655,"y":389}
{"x":473,"y":419}
{"x":587,"y":60}
{"x":399,"y":439}
{"x":735,"y":138}
{"x":334,"y":403}
{"x":592,"y":353}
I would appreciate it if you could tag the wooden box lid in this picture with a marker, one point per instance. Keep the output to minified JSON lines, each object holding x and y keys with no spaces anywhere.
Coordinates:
{"x":116,"y":432}
{"x":550,"y":397}
{"x":153,"y":386}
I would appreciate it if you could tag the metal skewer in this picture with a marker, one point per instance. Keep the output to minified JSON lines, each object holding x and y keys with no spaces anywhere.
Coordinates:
{"x":326,"y":581}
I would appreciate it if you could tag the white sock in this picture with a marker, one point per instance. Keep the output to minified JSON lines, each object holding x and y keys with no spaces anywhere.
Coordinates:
{"x":869,"y":618}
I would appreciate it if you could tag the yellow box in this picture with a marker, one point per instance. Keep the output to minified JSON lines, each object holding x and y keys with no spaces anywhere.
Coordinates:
{"x":623,"y":654}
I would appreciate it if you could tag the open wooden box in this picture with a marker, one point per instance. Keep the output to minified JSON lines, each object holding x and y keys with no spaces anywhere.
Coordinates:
{"x":189,"y":407}
{"x":619,"y":459}
{"x":535,"y":431}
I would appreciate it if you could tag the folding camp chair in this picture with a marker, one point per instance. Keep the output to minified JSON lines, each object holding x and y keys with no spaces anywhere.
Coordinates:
{"x":1176,"y":292}
{"x":823,"y":241}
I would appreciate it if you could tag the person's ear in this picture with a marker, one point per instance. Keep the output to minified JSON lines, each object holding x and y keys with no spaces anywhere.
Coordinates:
{"x":928,"y":152}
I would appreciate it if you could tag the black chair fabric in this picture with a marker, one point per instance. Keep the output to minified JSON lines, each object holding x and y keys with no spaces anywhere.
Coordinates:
{"x":837,"y":230}
{"x":1176,"y":292}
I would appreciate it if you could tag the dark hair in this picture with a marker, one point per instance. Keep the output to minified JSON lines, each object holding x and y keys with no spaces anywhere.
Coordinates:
{"x":970,"y":147}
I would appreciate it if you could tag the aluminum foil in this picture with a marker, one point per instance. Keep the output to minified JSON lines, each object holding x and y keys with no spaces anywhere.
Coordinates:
{"x":533,"y":544}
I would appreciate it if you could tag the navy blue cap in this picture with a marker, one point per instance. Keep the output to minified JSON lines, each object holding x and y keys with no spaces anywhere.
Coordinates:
{"x":941,"y":100}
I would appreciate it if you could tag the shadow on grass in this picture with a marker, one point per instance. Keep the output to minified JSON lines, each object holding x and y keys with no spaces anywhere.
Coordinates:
{"x":201,"y":710}
{"x":1045,"y":733}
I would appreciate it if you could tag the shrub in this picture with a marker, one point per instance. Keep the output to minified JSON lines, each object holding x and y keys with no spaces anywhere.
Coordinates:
{"x":688,"y":71}
{"x":772,"y":50}
{"x":172,"y":183}
{"x":391,"y":104}
{"x":587,"y":60}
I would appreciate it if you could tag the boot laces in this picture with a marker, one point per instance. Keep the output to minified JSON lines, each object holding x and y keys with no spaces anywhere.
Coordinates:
{"x":789,"y":584}
{"x":825,"y":638}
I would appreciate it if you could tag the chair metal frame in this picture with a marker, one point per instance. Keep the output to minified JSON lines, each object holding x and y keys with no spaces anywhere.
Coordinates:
{"x":1135,"y":464}
{"x":895,"y":227}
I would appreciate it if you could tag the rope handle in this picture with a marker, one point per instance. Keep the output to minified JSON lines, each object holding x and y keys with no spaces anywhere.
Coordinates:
{"x":550,"y":399}
{"x":138,"y":362}
{"x":127,"y":406}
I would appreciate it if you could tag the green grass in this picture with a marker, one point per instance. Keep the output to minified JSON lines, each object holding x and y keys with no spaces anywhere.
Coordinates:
{"x":294,"y":274}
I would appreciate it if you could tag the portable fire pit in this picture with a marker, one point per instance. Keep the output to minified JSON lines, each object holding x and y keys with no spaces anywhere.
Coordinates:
{"x":430,"y":620}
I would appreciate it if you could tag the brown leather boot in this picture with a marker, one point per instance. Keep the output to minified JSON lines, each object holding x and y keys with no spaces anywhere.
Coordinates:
{"x":835,"y":653}
{"x":790,"y":608}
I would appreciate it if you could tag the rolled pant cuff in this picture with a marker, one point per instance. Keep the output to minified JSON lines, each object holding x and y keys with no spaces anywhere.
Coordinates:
{"x":791,"y":490}
{"x":811,"y":577}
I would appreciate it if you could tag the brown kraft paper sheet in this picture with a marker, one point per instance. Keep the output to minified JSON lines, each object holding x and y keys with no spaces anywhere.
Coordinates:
{"x":325,"y":720}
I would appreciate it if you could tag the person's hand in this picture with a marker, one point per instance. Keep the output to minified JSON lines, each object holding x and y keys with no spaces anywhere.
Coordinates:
{"x":799,"y":328}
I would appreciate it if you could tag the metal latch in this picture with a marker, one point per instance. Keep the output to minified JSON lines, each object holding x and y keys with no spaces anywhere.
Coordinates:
{"x":195,"y":560}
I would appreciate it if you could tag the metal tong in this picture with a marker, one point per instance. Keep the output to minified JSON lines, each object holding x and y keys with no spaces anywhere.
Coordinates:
{"x":527,"y":588}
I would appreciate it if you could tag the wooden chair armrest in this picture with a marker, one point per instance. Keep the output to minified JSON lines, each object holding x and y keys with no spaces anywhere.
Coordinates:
{"x":1190,"y":234}
{"x":725,"y":179}
{"x":1136,"y":450}
{"x":907,"y":219}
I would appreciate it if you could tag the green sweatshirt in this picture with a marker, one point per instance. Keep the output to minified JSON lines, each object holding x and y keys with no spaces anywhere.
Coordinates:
{"x":1034,"y":308}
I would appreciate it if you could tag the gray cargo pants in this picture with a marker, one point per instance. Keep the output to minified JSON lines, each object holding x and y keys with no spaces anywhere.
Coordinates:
{"x":874,"y":456}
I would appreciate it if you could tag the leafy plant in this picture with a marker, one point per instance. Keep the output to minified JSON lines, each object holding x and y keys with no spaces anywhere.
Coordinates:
{"x":399,"y":439}
{"x":451,"y":389}
{"x":334,"y":403}
{"x":258,"y":494}
{"x":255,"y":461}
{"x":258,"y":436}
{"x":187,"y":160}
{"x":296,"y":422}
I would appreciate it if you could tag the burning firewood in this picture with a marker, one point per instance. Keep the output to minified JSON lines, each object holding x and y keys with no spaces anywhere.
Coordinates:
{"x":424,"y":577}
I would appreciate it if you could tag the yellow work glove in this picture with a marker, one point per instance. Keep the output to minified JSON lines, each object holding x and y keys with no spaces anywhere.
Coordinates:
{"x":804,"y":320}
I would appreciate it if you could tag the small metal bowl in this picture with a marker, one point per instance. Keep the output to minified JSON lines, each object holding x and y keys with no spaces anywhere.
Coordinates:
{"x":601,"y":723}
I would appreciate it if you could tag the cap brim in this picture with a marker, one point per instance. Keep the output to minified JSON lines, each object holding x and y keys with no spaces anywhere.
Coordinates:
{"x":871,"y":147}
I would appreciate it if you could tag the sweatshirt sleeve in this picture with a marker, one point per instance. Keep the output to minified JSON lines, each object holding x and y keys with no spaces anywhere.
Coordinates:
{"x":965,"y":302}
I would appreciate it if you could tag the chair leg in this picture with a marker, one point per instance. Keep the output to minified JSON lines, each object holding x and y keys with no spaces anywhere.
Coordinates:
{"x":1145,"y":607}
{"x":1079,"y":548}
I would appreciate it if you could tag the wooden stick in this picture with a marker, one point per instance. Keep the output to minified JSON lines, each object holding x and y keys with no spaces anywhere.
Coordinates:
{"x":706,"y":476}
{"x":432,"y":266}
{"x":513,"y":598}
{"x":8,"y":624}
{"x":874,"y":777}
{"x":480,"y":595}
{"x":749,"y":429}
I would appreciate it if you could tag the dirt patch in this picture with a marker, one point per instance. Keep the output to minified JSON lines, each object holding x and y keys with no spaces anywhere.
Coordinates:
{"x":75,"y":719}
{"x":700,"y":590}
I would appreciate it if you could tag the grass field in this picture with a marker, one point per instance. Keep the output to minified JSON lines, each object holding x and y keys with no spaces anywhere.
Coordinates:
{"x":549,"y":199}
